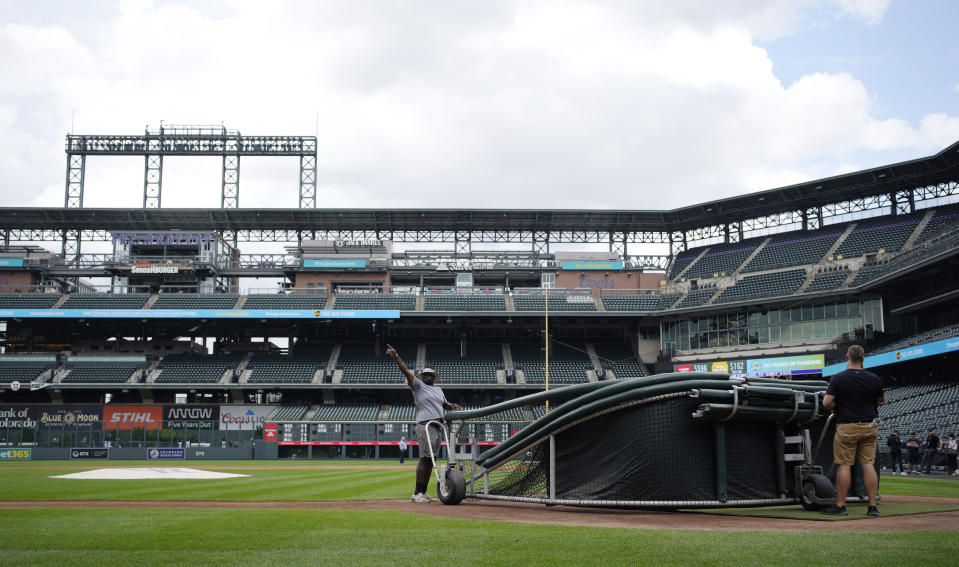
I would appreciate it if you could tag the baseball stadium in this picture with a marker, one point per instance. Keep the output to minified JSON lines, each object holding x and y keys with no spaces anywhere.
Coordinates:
{"x":634,"y":386}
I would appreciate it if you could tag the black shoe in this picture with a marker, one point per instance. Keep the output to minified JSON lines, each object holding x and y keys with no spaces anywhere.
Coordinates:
{"x":872,"y":511}
{"x":835,"y":511}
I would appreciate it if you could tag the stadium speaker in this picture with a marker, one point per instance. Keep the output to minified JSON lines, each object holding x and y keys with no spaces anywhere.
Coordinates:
{"x":601,"y":373}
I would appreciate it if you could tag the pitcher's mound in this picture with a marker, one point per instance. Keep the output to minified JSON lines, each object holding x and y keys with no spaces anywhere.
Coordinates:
{"x":118,"y":473}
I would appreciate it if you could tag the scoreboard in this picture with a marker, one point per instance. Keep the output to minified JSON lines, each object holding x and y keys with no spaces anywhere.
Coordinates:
{"x":307,"y":433}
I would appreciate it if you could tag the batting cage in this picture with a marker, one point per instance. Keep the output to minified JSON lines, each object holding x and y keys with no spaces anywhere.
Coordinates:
{"x":682,"y":440}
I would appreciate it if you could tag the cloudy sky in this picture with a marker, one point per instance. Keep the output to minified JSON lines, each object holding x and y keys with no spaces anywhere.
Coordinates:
{"x":649,"y":104}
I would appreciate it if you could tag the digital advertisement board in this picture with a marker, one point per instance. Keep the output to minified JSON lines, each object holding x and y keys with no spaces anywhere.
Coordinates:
{"x":16,"y":454}
{"x":191,"y":417}
{"x":902,"y":355}
{"x":334,"y":263}
{"x":127,"y":418}
{"x":69,"y":417}
{"x":243,"y":418}
{"x":199,"y":314}
{"x":165,"y":453}
{"x":786,"y":365}
{"x":782,"y":366}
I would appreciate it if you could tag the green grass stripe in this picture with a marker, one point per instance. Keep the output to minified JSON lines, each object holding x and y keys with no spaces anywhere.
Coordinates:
{"x":339,"y":537}
{"x":261,"y":485}
{"x":856,"y":511}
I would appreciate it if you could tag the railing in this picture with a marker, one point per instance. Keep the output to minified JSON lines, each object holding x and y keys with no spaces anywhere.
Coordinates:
{"x":464,"y":290}
{"x":552,"y":291}
{"x":30,"y":288}
{"x":287,"y":291}
{"x":633,"y":291}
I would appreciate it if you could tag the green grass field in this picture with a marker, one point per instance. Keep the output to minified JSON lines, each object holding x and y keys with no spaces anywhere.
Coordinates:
{"x":222,"y":537}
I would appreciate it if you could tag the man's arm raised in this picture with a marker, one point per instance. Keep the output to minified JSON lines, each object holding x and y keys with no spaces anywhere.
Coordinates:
{"x":399,"y":362}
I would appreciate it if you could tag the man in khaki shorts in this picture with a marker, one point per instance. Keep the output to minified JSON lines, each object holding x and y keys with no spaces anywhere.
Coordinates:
{"x":853,"y":395}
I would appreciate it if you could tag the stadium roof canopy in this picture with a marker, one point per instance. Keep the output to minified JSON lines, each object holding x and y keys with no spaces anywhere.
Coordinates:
{"x":940,"y":168}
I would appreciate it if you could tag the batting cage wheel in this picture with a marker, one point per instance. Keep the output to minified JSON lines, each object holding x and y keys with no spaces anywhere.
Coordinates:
{"x":453,"y":489}
{"x":815,"y":489}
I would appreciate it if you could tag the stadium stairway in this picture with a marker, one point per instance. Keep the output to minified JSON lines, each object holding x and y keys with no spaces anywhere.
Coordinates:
{"x":810,"y":277}
{"x":751,"y":256}
{"x":240,"y":302}
{"x":682,"y":272}
{"x":920,"y":228}
{"x":63,"y":299}
{"x":842,"y":238}
{"x":151,"y":301}
{"x":852,"y":276}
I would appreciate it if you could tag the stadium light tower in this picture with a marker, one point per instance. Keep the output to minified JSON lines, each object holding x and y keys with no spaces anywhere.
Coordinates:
{"x":180,"y":140}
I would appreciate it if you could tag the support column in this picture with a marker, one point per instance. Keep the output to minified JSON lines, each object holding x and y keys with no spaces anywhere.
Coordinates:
{"x":540,"y":242}
{"x":230,"y":186}
{"x":152,"y":181}
{"x":463,"y":243}
{"x":618,"y":244}
{"x":76,"y":171}
{"x":719,"y":435}
{"x":308,"y":182}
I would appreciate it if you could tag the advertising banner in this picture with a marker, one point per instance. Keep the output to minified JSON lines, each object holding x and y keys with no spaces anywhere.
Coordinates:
{"x":906,"y":354}
{"x":243,"y":418}
{"x":805,"y":364}
{"x":11,"y":262}
{"x":334,"y":263}
{"x":69,"y":417}
{"x":199,"y":314}
{"x":587,"y":265}
{"x":127,"y":418}
{"x":269,"y":432}
{"x":18,"y":416}
{"x":15,"y":454}
{"x":163,"y":453}
{"x":81,"y":453}
{"x":721,"y":366}
{"x":190,"y":417}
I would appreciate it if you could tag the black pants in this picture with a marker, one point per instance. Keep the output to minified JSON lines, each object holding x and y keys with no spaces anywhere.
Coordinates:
{"x":927,"y":460}
{"x":897,"y":458}
{"x":951,"y":462}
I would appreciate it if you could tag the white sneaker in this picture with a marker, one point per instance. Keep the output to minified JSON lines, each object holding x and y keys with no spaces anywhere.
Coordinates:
{"x":422,"y":498}
{"x":413,"y":498}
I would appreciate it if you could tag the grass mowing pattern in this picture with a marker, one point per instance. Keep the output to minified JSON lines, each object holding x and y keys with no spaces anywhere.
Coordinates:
{"x":263,"y":485}
{"x":856,"y":511}
{"x":920,"y":486}
{"x":331,"y":537}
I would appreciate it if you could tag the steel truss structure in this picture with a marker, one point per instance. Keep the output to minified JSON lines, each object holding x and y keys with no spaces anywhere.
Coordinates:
{"x":893,"y":189}
{"x":169,"y":140}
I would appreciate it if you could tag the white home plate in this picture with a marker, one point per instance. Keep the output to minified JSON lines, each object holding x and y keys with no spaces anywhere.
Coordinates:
{"x":118,"y":473}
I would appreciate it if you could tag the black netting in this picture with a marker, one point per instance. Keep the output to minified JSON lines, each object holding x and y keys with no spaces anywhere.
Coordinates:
{"x":525,"y":475}
{"x":652,"y":452}
{"x":751,"y":460}
{"x":648,"y":452}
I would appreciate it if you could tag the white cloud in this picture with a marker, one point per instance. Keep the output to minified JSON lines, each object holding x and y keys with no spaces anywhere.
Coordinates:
{"x":870,"y":11}
{"x":537,"y":104}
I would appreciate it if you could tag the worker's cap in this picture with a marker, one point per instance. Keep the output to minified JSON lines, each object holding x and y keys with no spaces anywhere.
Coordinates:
{"x":426,"y":371}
